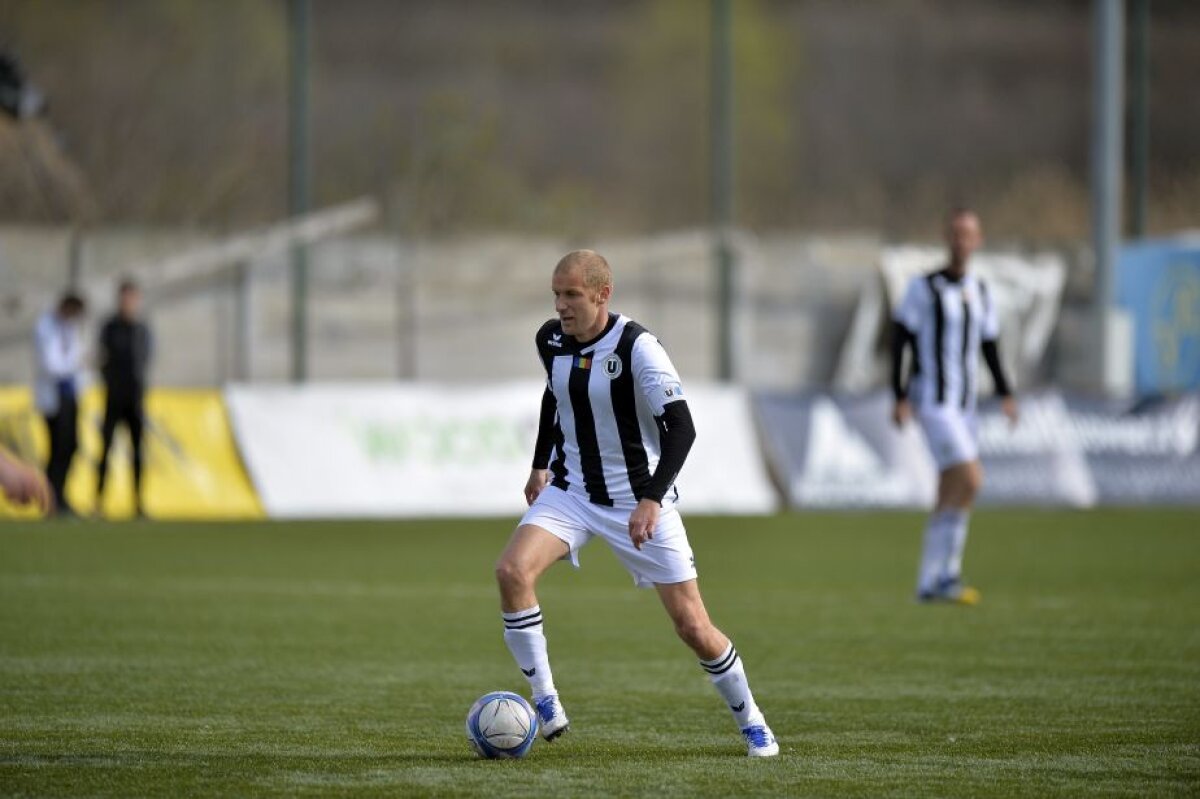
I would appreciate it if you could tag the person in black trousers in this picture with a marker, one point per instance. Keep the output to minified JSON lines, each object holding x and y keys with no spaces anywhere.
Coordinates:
{"x":125,"y":350}
{"x":59,"y":379}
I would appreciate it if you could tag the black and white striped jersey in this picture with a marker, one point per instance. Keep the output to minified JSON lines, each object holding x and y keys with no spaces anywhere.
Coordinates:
{"x":949,"y":321}
{"x":608,"y":414}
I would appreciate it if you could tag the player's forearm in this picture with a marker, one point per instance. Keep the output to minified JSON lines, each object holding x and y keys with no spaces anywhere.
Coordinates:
{"x":900,"y":338}
{"x":676,"y":433}
{"x":991,"y":356}
{"x":545,"y":436}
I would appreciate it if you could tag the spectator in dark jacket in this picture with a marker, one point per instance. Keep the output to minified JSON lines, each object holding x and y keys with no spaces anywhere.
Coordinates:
{"x":125,"y":351}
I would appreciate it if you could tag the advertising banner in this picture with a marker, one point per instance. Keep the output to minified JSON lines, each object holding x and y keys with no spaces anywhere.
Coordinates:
{"x":1158,"y":282}
{"x":446,"y":450}
{"x":191,"y":468}
{"x":837,"y":452}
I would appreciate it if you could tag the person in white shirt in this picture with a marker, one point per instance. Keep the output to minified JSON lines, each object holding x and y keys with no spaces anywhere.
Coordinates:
{"x":58,"y":347}
{"x":947,"y":317}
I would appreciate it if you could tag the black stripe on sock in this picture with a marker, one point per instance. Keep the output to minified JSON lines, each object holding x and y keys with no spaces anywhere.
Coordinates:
{"x":724,"y":668}
{"x":721,"y":665}
{"x":508,"y":619}
{"x":535,"y":623}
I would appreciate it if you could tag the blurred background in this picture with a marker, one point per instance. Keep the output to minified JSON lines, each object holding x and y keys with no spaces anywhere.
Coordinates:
{"x":761,"y":174}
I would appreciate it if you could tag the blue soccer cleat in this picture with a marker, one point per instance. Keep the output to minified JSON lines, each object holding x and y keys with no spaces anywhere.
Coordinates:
{"x":760,"y":741}
{"x":553,"y":717}
{"x":951,"y":590}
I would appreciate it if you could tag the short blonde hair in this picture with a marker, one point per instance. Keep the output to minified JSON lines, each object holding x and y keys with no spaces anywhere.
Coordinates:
{"x":596,"y":271}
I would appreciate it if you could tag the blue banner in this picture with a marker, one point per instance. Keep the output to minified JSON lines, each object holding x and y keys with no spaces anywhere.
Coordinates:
{"x":833,"y":451}
{"x":1158,"y":283}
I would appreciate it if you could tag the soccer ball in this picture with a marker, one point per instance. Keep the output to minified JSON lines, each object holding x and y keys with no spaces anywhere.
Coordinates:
{"x":501,"y":724}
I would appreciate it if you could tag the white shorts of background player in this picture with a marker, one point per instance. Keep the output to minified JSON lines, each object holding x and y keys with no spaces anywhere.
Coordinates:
{"x":951,"y":433}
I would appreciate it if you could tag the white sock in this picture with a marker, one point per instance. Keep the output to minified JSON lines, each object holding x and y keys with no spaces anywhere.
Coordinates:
{"x":958,"y":521}
{"x":729,"y":678}
{"x":936,"y":551}
{"x":525,"y":639}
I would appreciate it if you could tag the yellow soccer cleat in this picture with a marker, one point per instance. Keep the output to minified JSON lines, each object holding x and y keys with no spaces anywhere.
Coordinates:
{"x":952,"y":592}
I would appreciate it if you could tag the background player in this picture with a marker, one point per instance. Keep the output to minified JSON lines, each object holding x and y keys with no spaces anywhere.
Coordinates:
{"x":125,"y":350}
{"x":614,"y":419}
{"x":947,"y":317}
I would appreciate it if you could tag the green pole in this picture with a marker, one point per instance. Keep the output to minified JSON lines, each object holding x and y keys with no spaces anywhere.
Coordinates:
{"x":1140,"y":129}
{"x":721,"y":124}
{"x":298,"y":174}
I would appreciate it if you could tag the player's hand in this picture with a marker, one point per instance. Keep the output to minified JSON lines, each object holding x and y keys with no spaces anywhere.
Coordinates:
{"x":901,"y":412}
{"x":24,"y":484}
{"x":538,"y":478}
{"x":1009,"y":406}
{"x":643,"y":522}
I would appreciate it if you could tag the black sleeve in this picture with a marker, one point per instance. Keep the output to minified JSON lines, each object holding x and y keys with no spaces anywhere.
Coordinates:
{"x":901,"y":336}
{"x":545,"y":436}
{"x":991,"y":355}
{"x":676,"y":434}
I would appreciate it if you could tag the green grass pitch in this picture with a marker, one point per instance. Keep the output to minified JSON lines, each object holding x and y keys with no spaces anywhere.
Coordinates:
{"x":339,"y":659}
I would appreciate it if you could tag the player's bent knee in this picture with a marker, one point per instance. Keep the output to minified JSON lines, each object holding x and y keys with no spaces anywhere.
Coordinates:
{"x":510,"y":574}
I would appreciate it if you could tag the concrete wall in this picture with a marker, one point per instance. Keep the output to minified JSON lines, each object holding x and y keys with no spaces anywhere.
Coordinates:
{"x":465,"y":310}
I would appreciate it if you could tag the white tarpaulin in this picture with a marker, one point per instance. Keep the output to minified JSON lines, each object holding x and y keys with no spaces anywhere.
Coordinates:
{"x":453,"y":450}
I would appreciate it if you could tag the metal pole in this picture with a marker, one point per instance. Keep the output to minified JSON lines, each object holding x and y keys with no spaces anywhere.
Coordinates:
{"x":1107,"y":160}
{"x":722,"y":178}
{"x":407,"y":327}
{"x":75,"y":260}
{"x":298,"y":174}
{"x":243,"y":335}
{"x":1140,"y":128}
{"x":1107,"y":119}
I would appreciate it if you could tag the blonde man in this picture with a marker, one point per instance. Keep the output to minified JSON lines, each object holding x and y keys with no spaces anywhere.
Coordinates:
{"x":613,"y":434}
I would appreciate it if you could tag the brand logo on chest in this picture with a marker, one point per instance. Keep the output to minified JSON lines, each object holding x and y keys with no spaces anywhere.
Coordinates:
{"x":612,"y":366}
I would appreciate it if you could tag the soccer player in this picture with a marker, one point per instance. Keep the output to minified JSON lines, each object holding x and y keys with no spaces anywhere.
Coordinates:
{"x":125,"y":349}
{"x":58,"y":346}
{"x":947,"y":317}
{"x":613,"y":434}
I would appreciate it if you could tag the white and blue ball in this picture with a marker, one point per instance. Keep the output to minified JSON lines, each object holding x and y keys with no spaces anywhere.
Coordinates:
{"x":502,"y":724}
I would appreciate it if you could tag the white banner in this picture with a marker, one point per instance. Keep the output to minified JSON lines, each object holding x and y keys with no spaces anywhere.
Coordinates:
{"x":445,"y":450}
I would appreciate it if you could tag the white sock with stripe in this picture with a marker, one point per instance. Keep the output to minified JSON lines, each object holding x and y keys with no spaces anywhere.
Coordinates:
{"x":728,"y":676}
{"x":939,"y":533}
{"x":526,"y":640}
{"x":957,"y":522}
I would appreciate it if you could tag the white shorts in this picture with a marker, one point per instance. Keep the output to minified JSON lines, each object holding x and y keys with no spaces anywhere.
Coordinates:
{"x":665,"y":558}
{"x":952,"y":435}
